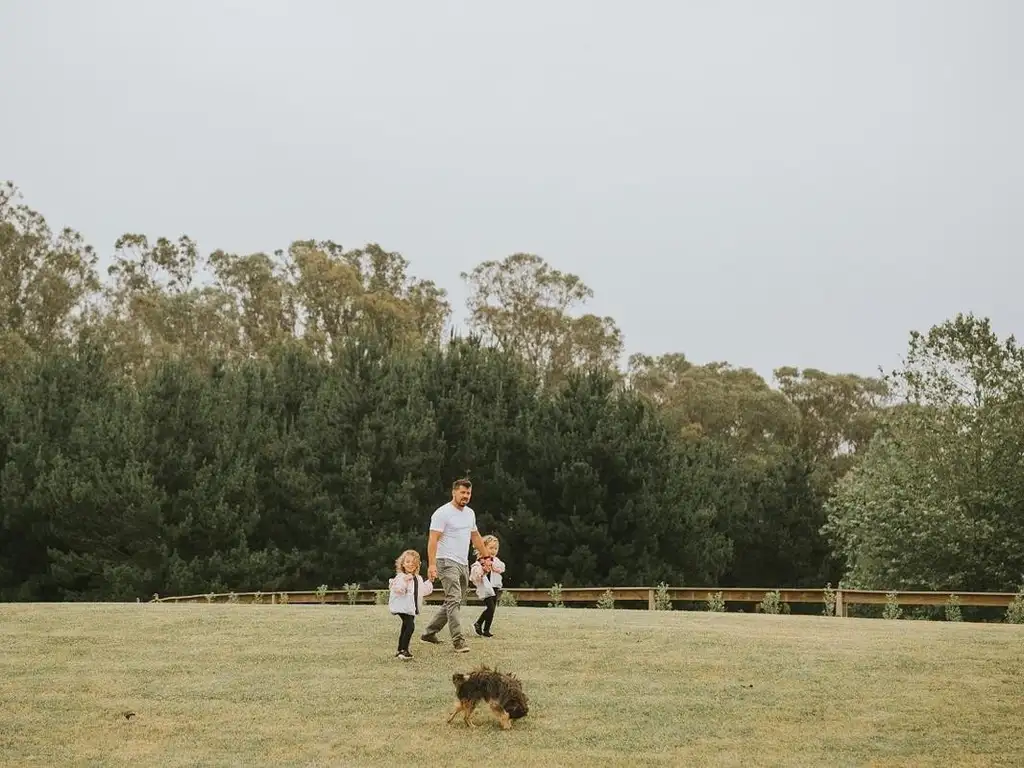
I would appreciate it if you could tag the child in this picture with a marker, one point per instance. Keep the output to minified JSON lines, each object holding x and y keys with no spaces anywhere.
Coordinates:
{"x":407,"y":592}
{"x":486,"y":575}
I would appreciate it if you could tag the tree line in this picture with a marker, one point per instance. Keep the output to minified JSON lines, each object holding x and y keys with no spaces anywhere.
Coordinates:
{"x":272,"y":421}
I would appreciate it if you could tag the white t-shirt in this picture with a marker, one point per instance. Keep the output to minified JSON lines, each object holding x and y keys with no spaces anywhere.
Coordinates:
{"x":455,"y":526}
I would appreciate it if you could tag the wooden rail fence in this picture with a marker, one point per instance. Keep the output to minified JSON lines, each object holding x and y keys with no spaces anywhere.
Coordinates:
{"x":576,"y":595}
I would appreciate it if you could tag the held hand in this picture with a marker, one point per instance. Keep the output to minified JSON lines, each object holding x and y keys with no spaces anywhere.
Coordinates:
{"x":431,"y":572}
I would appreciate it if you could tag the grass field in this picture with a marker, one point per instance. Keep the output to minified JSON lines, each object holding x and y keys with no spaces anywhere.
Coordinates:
{"x":317,"y":686}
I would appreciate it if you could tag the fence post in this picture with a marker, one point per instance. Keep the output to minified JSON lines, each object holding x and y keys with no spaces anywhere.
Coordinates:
{"x":840,"y":605}
{"x":650,"y":599}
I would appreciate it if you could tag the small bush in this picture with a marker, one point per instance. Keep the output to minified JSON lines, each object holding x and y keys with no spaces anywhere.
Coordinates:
{"x":829,"y":599}
{"x":257,"y":597}
{"x":607,"y":600}
{"x":321,"y":593}
{"x":772,"y":603}
{"x":892,"y":609}
{"x":381,"y":597}
{"x":232,"y":597}
{"x":716,"y":603}
{"x":352,"y":593}
{"x":1015,"y":613}
{"x":282,"y":598}
{"x":209,"y":597}
{"x":555,"y":593}
{"x":507,"y":600}
{"x":662,"y":602}
{"x":953,"y":612}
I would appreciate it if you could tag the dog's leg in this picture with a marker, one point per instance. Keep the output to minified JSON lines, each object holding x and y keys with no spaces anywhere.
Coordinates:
{"x":459,"y":706}
{"x":468,"y":710}
{"x":499,"y":712}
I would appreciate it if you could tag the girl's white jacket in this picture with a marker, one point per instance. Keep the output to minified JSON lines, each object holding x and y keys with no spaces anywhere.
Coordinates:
{"x":401,"y":599}
{"x":485,"y":587}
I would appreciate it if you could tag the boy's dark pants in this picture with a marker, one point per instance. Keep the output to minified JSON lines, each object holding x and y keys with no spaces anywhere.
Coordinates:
{"x":408,"y":627}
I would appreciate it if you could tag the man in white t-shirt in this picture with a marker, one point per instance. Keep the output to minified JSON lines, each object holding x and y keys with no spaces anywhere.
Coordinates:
{"x":452,"y":528}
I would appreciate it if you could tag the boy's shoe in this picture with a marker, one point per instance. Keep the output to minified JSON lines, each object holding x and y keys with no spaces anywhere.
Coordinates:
{"x":430,"y":637}
{"x":461,"y":647}
{"x":479,"y":630}
{"x":404,"y":655}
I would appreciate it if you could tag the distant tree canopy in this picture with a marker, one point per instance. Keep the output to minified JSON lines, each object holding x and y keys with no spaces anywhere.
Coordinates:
{"x":190,"y":423}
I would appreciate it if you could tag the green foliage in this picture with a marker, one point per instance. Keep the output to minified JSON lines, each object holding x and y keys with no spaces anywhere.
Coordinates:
{"x":321,"y":594}
{"x":934,"y":504}
{"x":1015,"y":611}
{"x":282,"y":598}
{"x":507,"y":599}
{"x":257,"y":598}
{"x":606,"y":600}
{"x":716,"y":603}
{"x":892,"y":608}
{"x":202,"y":422}
{"x":829,"y":598}
{"x":351,"y":593}
{"x":232,"y":597}
{"x":555,"y":593}
{"x":662,"y":601}
{"x":772,"y":603}
{"x":953,"y":612}
{"x":381,"y":597}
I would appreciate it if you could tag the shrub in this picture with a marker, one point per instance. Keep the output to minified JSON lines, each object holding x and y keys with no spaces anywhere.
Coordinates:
{"x":772,"y":603}
{"x":892,"y":609}
{"x":508,"y":600}
{"x":352,"y":593}
{"x":953,"y":612}
{"x":829,"y":599}
{"x":555,"y":593}
{"x":607,"y":600}
{"x":716,"y":603}
{"x":1015,"y":613}
{"x":662,"y":602}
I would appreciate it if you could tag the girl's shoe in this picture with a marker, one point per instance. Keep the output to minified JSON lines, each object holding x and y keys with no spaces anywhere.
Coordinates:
{"x":479,"y":629}
{"x":404,"y":655}
{"x":487,"y":633}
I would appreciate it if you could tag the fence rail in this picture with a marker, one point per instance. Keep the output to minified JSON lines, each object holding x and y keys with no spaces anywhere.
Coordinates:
{"x":575,"y":595}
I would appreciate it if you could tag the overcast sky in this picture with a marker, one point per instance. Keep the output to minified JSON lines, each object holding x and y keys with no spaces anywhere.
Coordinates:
{"x":768,"y":183}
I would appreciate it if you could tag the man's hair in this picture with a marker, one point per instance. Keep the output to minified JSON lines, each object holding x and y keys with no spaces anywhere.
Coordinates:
{"x":462,"y":482}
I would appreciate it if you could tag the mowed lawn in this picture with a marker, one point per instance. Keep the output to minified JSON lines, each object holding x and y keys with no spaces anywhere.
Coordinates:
{"x":317,"y":685}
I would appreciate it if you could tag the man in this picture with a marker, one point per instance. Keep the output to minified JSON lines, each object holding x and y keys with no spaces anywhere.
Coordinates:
{"x":452,"y":528}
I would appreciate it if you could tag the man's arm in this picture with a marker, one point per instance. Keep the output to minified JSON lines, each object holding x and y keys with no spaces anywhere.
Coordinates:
{"x":432,"y":554}
{"x":478,"y":540}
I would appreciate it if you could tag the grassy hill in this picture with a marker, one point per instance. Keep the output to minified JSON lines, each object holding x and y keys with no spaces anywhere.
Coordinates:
{"x":317,"y":686}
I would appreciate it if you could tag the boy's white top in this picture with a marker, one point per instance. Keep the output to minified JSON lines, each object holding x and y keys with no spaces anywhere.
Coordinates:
{"x":485,"y":587}
{"x":455,"y":526}
{"x":401,"y":599}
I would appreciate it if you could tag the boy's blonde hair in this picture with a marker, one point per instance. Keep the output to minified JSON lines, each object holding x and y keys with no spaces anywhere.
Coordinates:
{"x":401,"y":559}
{"x":488,"y":539}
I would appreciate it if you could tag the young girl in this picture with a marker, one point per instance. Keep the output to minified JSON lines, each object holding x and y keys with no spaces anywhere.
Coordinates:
{"x":407,"y":592}
{"x":486,"y":575}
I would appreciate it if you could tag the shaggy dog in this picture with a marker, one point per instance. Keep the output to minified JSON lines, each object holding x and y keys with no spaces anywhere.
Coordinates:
{"x":502,"y":692}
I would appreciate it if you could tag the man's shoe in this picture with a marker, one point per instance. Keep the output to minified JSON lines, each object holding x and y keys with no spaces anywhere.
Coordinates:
{"x":431,"y":638}
{"x":461,"y":647}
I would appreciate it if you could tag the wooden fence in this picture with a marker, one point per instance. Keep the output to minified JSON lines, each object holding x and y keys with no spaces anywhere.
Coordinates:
{"x":590,"y":595}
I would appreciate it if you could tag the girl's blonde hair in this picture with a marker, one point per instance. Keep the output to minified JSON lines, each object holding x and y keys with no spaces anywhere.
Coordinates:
{"x":401,"y":560}
{"x":487,"y":540}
